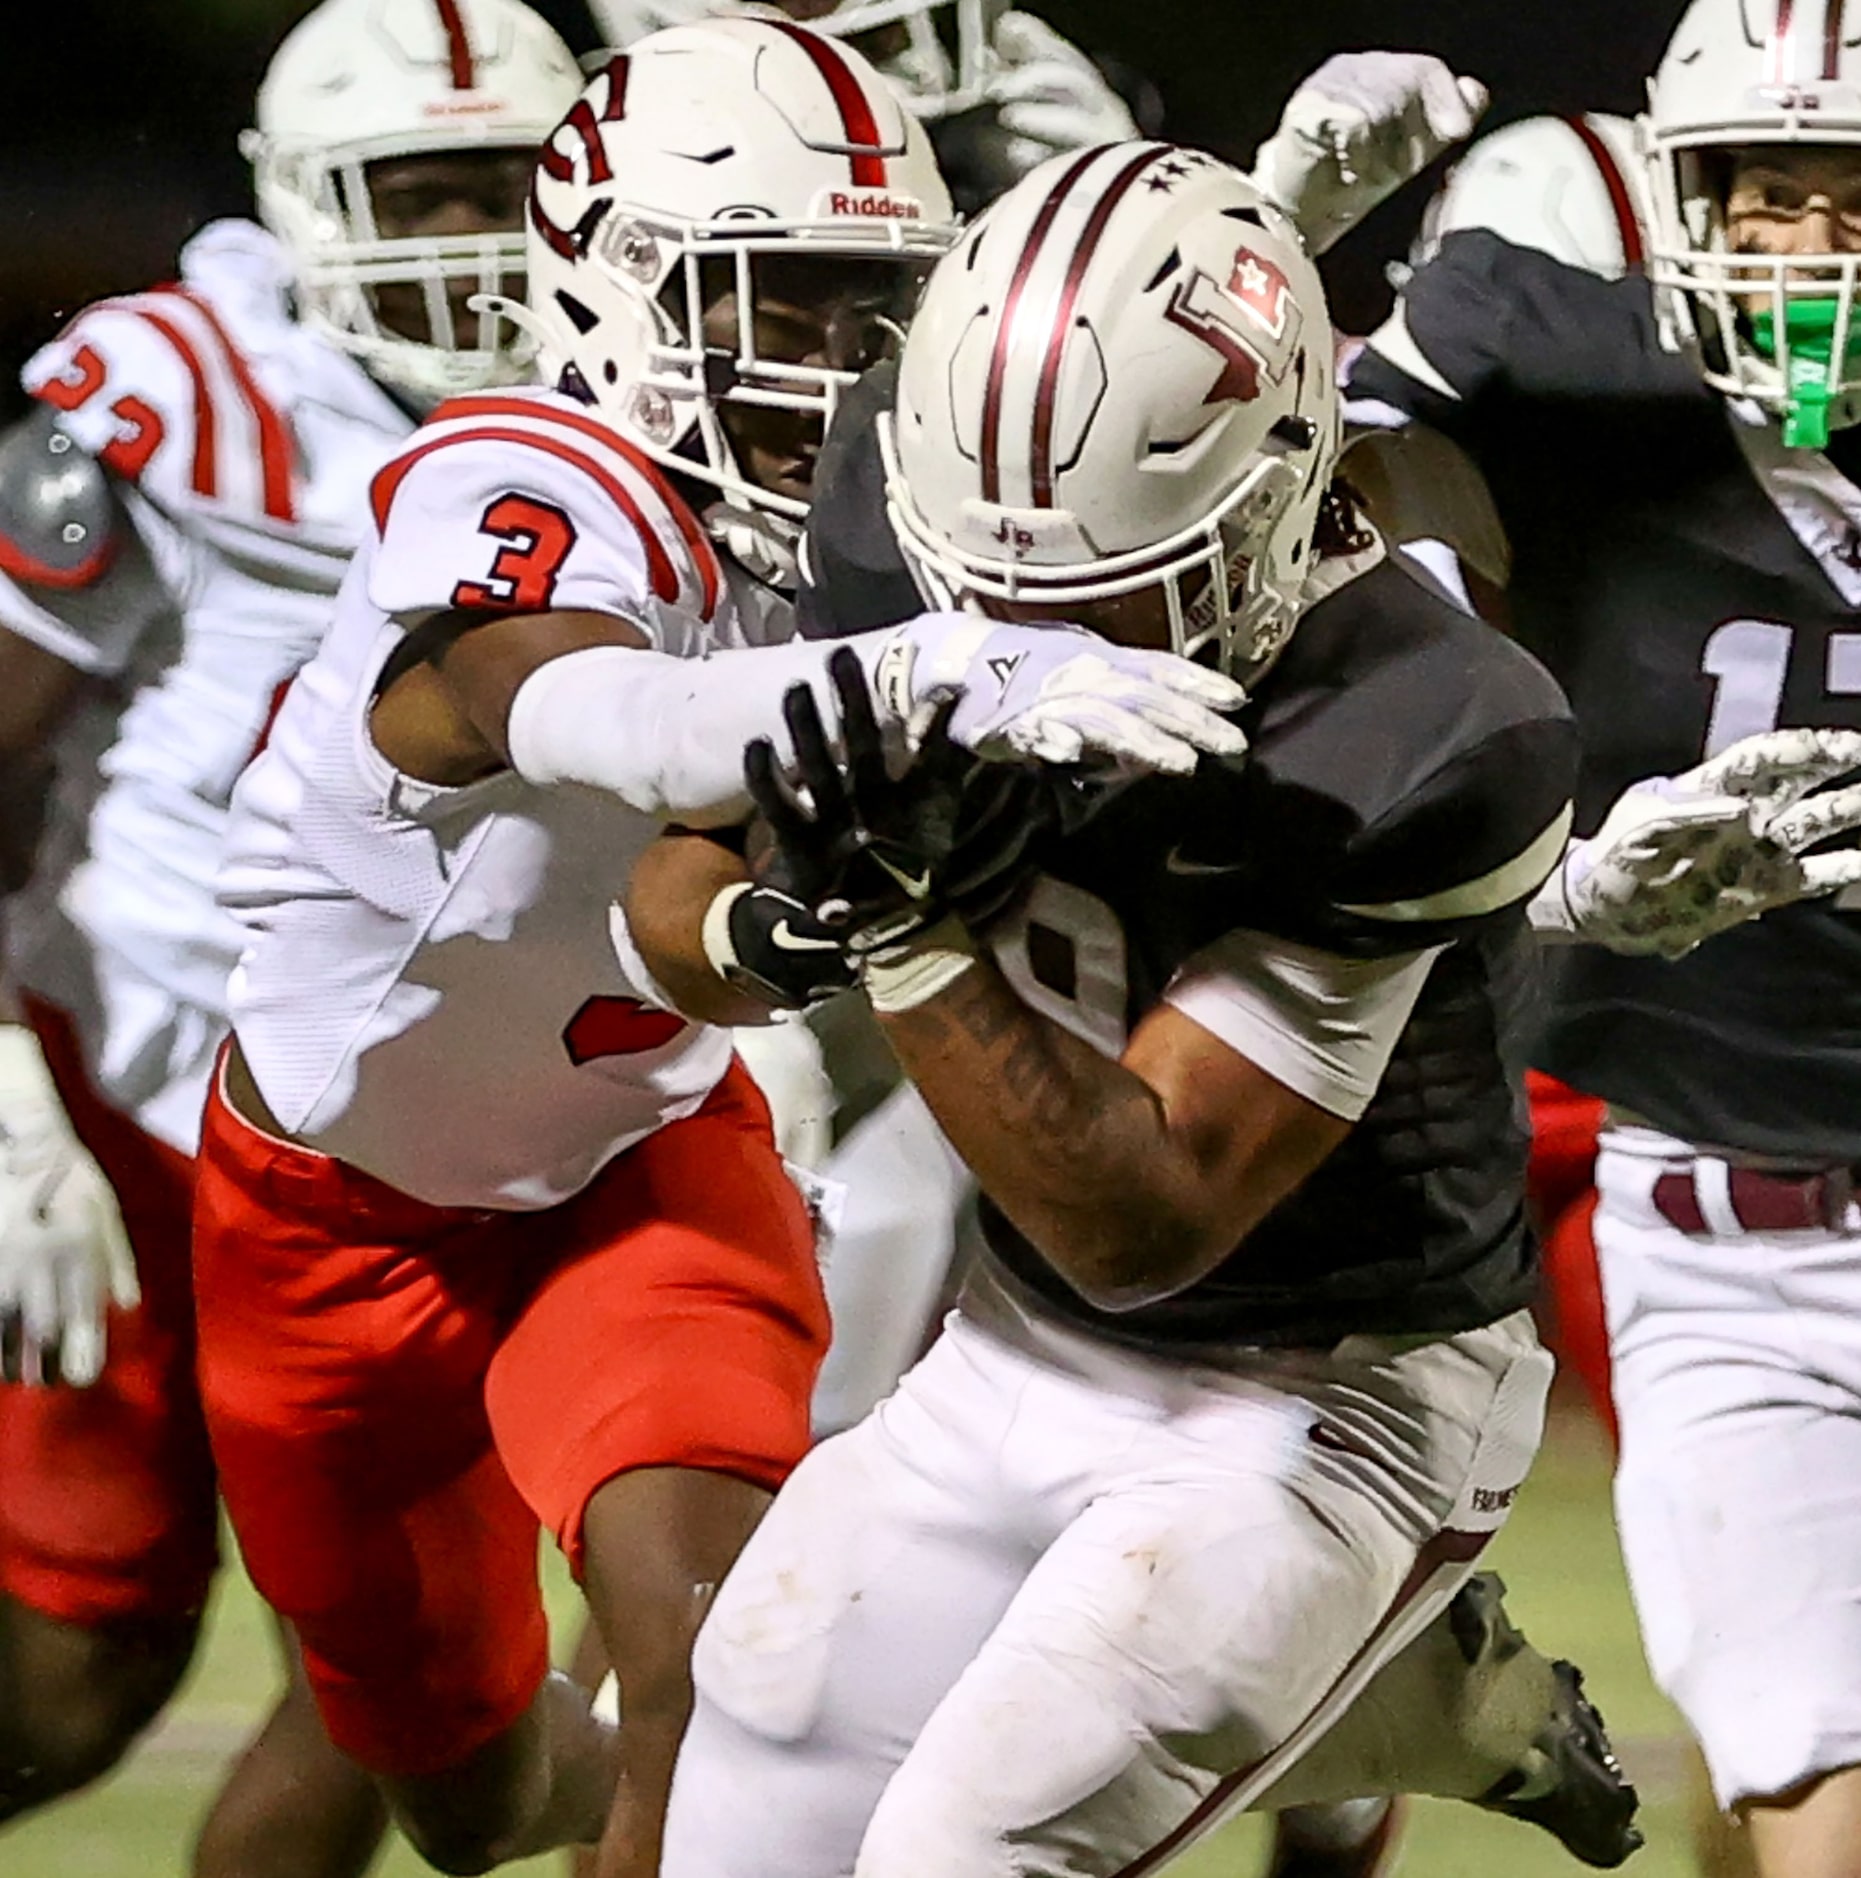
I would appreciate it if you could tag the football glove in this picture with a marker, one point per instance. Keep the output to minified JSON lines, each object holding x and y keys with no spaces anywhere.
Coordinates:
{"x":1680,"y":858}
{"x":64,"y":1254}
{"x":1056,"y":694}
{"x":1356,"y":130}
{"x":1049,"y":95}
{"x":877,"y":857}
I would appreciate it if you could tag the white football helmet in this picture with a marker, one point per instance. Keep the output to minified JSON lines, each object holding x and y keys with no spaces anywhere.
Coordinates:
{"x":1123,"y":378}
{"x":1571,"y":187}
{"x":1739,"y":73}
{"x":699,"y":164}
{"x":360,"y":81}
{"x":938,"y":52}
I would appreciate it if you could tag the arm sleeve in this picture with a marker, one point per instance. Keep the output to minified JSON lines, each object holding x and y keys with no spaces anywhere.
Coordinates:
{"x":1477,"y":837}
{"x":1485,"y":325}
{"x":1323,"y":1025}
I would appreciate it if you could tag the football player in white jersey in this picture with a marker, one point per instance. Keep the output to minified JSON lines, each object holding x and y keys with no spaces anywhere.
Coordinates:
{"x":485,"y":1239}
{"x":174,"y":519}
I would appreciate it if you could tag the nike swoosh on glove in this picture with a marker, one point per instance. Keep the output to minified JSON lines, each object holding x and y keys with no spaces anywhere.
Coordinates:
{"x":1680,"y":858}
{"x":63,"y":1252}
{"x":1056,"y":694}
{"x":1356,"y":130}
{"x":1049,"y":95}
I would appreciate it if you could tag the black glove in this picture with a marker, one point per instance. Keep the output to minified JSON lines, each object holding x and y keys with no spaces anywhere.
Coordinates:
{"x":877,"y":857}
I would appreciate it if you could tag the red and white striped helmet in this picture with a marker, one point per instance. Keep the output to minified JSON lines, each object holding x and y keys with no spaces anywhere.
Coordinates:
{"x":359,"y":81}
{"x":1571,"y":187}
{"x":1739,"y":73}
{"x":693,"y":165}
{"x":1121,"y":379}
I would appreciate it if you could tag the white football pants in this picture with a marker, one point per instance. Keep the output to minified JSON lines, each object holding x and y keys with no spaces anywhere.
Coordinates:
{"x":1055,"y":1609}
{"x":1737,"y":1376}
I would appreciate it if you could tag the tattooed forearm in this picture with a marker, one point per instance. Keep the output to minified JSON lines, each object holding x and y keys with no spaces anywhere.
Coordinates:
{"x":1070,"y":1144}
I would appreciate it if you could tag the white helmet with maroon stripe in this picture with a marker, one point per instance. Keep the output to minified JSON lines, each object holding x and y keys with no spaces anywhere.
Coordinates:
{"x":1571,"y":187}
{"x":738,"y":164}
{"x":1738,"y":74}
{"x":1122,"y":379}
{"x":361,"y":82}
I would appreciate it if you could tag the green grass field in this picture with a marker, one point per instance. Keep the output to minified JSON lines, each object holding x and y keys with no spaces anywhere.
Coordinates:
{"x":1558,"y":1555}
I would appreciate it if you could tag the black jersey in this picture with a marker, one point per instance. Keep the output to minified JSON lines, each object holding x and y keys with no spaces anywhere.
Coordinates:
{"x":1658,"y":579}
{"x":1398,"y":752}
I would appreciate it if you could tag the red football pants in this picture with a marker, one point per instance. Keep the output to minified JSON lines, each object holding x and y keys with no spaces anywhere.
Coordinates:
{"x":399,"y":1393}
{"x":107,"y":1507}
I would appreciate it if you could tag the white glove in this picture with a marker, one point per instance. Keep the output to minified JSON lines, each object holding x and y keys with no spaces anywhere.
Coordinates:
{"x":1679,"y":858}
{"x":1049,"y":95}
{"x":1355,"y":131}
{"x":1057,"y":694}
{"x":63,"y":1250}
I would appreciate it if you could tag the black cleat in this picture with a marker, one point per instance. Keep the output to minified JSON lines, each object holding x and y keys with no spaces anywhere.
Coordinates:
{"x":1572,"y":1785}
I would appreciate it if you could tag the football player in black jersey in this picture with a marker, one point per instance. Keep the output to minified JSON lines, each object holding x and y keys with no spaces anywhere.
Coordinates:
{"x":1677,"y":468}
{"x":1230,"y":1071}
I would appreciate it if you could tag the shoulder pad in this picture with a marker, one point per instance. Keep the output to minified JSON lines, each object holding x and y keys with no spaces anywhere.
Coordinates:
{"x":61,"y":519}
{"x":70,"y":546}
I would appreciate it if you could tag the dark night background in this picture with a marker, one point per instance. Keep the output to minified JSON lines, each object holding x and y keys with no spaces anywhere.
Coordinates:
{"x":117,"y":125}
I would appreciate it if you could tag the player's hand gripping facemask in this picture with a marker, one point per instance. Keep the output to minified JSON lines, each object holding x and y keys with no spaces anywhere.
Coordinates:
{"x":1680,"y":858}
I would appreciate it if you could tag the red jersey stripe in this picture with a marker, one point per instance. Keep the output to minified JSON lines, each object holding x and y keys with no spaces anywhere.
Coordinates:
{"x":710,"y":569}
{"x":856,"y":113}
{"x":277,"y":447}
{"x":382,"y":491}
{"x":1627,"y":222}
{"x":205,"y":477}
{"x":458,"y":46}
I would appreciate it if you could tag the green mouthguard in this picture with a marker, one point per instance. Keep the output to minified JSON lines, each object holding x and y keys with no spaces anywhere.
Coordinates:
{"x":1809,"y":325}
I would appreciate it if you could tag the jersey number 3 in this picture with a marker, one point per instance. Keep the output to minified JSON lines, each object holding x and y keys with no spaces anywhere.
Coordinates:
{"x":537,"y":538}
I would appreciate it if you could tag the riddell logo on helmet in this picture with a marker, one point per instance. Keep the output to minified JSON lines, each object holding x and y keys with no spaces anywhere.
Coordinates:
{"x":462,"y":107}
{"x":869,"y":202}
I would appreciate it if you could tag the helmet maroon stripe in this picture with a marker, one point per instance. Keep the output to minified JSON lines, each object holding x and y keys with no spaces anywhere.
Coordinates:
{"x":998,"y":361}
{"x":856,"y":116}
{"x":1832,"y":40}
{"x":1779,"y":39}
{"x":1627,"y":222}
{"x":1047,"y":390}
{"x":458,"y":47}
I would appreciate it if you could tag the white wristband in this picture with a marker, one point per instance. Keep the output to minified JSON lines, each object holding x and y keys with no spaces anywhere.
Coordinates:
{"x":903,"y":977}
{"x":715,"y":932}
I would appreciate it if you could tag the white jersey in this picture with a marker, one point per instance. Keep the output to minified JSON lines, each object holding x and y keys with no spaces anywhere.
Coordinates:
{"x":243,"y":444}
{"x":429,"y":988}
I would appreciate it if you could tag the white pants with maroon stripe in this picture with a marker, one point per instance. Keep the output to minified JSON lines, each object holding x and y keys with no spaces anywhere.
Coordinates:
{"x":1736,"y":1361}
{"x":1057,"y":1608}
